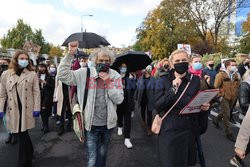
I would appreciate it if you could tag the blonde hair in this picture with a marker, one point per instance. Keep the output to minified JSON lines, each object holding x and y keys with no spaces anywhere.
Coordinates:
{"x":193,"y":56}
{"x":178,"y":51}
{"x":104,"y":51}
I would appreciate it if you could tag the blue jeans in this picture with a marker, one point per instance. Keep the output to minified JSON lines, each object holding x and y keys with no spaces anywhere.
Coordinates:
{"x":97,"y":141}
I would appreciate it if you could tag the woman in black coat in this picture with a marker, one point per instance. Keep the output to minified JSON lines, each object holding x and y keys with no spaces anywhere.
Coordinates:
{"x":124,"y":109}
{"x":47,"y":85}
{"x":177,"y":147}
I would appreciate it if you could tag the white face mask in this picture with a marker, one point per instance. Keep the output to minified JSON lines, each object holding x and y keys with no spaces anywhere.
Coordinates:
{"x":83,"y":64}
{"x":52,"y":69}
{"x":233,"y":69}
{"x":89,"y":64}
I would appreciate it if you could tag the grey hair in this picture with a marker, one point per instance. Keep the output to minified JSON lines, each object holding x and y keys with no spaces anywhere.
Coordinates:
{"x":104,"y":51}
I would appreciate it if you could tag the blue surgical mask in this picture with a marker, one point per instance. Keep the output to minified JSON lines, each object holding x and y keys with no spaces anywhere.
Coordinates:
{"x":233,"y":69}
{"x":89,"y":64}
{"x":197,"y":66}
{"x":23,"y":63}
{"x":123,"y":70}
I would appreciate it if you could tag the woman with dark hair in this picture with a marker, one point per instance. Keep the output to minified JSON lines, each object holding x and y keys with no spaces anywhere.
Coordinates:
{"x":20,"y":87}
{"x":47,"y":85}
{"x":123,"y":110}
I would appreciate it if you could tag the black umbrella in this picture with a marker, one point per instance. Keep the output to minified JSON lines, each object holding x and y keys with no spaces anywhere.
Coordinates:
{"x":133,"y":59}
{"x":87,"y":40}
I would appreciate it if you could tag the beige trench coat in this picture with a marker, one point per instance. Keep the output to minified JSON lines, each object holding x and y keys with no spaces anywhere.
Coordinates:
{"x":58,"y":97}
{"x":27,"y":86}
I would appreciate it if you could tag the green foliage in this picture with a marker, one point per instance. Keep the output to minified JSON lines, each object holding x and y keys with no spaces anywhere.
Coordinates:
{"x":186,"y":21}
{"x":22,"y":32}
{"x":245,"y":44}
{"x":55,"y":51}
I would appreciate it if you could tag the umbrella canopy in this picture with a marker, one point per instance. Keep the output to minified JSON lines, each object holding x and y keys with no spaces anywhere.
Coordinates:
{"x":87,"y":40}
{"x":134,"y":60}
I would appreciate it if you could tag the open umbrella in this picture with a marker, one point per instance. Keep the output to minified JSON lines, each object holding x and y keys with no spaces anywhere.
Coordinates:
{"x":135,"y":60}
{"x":87,"y":40}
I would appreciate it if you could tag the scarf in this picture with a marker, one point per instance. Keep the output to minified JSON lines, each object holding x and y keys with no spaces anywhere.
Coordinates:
{"x":195,"y":72}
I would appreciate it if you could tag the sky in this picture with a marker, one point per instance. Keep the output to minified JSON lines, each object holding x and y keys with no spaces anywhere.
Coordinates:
{"x":241,"y":16}
{"x":116,"y":20}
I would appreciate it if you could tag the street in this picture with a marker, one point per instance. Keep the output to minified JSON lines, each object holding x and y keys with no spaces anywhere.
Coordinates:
{"x":67,"y":151}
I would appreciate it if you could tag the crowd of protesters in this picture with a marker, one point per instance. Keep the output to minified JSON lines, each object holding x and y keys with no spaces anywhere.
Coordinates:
{"x":28,"y":91}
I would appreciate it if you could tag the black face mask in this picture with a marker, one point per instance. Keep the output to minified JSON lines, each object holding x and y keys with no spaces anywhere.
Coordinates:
{"x":211,"y":65}
{"x":181,"y":68}
{"x":3,"y":67}
{"x":42,"y":71}
{"x":102,"y":67}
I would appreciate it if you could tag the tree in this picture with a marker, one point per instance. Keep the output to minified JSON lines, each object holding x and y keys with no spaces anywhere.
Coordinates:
{"x":163,"y":29}
{"x":245,"y":41}
{"x":197,"y":22}
{"x":22,"y":32}
{"x":17,"y":36}
{"x":55,"y":51}
{"x":39,"y":40}
{"x":209,"y":15}
{"x":246,"y":25}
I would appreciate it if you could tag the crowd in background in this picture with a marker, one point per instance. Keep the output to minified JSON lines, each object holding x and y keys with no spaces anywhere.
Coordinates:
{"x":28,"y":91}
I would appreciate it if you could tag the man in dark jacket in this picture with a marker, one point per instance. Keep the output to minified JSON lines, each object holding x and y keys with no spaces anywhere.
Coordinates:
{"x":244,"y":66}
{"x":47,"y":85}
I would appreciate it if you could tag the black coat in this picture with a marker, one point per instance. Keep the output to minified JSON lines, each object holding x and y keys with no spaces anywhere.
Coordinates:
{"x":47,"y":91}
{"x":244,"y":97}
{"x":148,"y":85}
{"x":177,"y":146}
{"x":241,"y":69}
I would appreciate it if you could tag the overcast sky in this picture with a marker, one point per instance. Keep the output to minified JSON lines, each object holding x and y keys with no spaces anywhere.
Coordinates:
{"x":116,"y":20}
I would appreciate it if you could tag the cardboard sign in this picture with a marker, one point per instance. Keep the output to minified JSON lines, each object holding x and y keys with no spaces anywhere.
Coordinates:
{"x":185,"y":47}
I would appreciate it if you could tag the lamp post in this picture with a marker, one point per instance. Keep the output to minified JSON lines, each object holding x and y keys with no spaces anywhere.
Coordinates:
{"x":90,"y":15}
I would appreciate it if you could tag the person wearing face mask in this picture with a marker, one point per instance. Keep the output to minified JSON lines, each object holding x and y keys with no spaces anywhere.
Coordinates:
{"x":196,"y":65}
{"x":196,"y":69}
{"x":20,"y":87}
{"x":123,"y":110}
{"x":105,"y":92}
{"x":244,"y":66}
{"x":84,"y":60}
{"x":4,"y":63}
{"x":144,"y":96}
{"x":47,"y":85}
{"x":176,"y":140}
{"x":228,"y":82}
{"x":52,"y":71}
{"x":210,"y":71}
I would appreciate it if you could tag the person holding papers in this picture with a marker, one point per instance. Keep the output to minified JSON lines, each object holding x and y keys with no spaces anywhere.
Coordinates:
{"x":177,"y":147}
